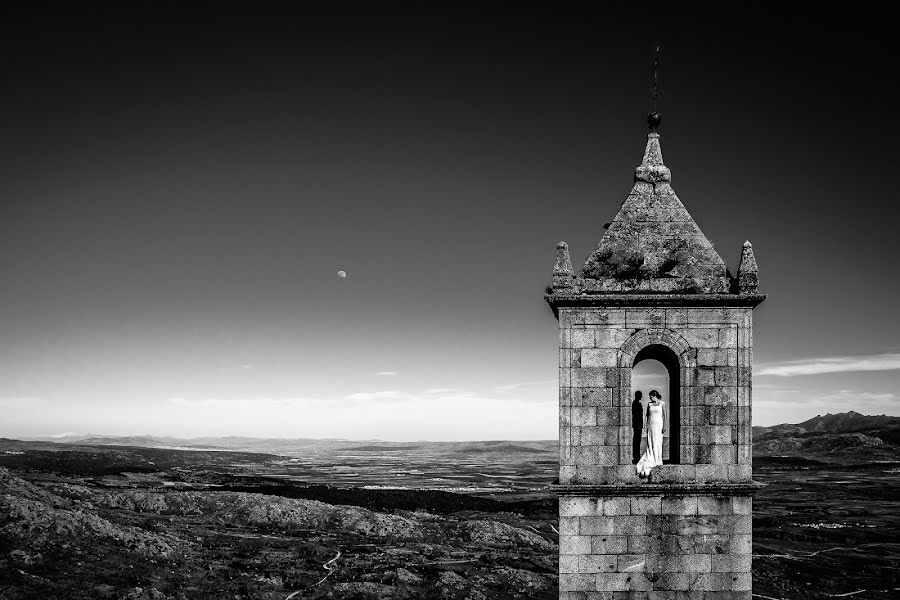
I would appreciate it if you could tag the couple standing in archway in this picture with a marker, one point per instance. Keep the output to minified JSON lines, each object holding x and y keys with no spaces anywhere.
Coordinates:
{"x":654,"y":421}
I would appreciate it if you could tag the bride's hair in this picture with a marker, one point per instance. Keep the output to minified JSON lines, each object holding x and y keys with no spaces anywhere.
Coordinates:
{"x":654,"y":393}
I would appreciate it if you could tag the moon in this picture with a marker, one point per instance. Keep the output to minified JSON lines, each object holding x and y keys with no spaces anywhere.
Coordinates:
{"x":342,"y":274}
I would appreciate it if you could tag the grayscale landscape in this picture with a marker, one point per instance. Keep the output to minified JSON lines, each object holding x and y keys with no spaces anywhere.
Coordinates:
{"x":160,"y":518}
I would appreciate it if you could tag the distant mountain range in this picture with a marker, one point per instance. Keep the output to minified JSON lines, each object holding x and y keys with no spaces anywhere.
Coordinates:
{"x":305,"y":446}
{"x":842,"y":437}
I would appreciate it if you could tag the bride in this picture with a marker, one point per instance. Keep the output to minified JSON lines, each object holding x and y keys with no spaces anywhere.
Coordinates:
{"x":655,"y":426}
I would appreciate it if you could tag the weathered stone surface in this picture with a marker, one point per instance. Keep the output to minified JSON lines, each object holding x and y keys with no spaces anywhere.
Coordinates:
{"x":684,"y":533}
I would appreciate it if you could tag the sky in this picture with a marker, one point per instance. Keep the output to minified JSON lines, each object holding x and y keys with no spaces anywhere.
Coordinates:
{"x":180,"y":185}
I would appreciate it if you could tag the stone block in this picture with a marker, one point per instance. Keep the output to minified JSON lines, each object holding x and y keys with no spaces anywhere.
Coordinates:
{"x":570,"y":582}
{"x":679,"y":505}
{"x":638,"y":544}
{"x":742,"y":525}
{"x":565,"y":378}
{"x":611,"y":582}
{"x":672,"y":581}
{"x":595,"y":396}
{"x":629,"y":524}
{"x":577,"y":506}
{"x":584,"y":455}
{"x":716,"y":357}
{"x":607,"y":416}
{"x":728,"y":337}
{"x":587,"y":376}
{"x":597,"y":563}
{"x":569,"y":525}
{"x":700,"y":583}
{"x":638,"y":585}
{"x":596,"y":525}
{"x":703,"y":454}
{"x":600,"y":357}
{"x":612,"y":337}
{"x":702,"y":525}
{"x":607,"y":455}
{"x":697,"y":563}
{"x":568,"y":474}
{"x":568,"y":563}
{"x":745,"y":376}
{"x":741,"y":505}
{"x":676,"y":318}
{"x":744,"y":395}
{"x":646,"y":505}
{"x":643,"y":318}
{"x":711,"y":544}
{"x":740,"y":473}
{"x":723,"y":434}
{"x":712,"y":473}
{"x":591,"y":474}
{"x":630,"y":563}
{"x":580,"y":338}
{"x":722,"y":415}
{"x":706,"y":337}
{"x":705,"y":376}
{"x":618,"y":506}
{"x":617,"y":377}
{"x":673,"y":474}
{"x":714,"y":505}
{"x":726,"y":376}
{"x":584,"y":416}
{"x":608,"y":544}
{"x":742,"y":582}
{"x":670,"y":545}
{"x":603,"y":316}
{"x":745,"y":453}
{"x":575,"y":544}
{"x":723,"y":455}
{"x":740,"y":544}
{"x":731,"y":563}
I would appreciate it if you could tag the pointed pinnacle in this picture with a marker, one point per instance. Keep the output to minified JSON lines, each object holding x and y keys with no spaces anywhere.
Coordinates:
{"x":652,"y":169}
{"x":748,"y":271}
{"x":562,"y":270}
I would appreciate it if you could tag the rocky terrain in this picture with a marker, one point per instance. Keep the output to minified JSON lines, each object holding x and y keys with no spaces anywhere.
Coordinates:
{"x":63,"y":537}
{"x":845,"y":437}
{"x":458,"y":521}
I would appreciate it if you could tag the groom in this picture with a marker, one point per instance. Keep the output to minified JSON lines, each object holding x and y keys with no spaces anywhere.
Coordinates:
{"x":637,"y":427}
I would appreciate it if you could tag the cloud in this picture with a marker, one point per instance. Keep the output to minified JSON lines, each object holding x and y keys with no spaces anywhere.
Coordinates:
{"x":510,"y":387}
{"x":439,"y":390}
{"x":382,"y":396}
{"x":837,"y":364}
{"x":387,"y":373}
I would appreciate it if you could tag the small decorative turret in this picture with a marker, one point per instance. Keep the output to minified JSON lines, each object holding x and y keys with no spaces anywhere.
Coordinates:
{"x":562,"y":270}
{"x":748,"y":271}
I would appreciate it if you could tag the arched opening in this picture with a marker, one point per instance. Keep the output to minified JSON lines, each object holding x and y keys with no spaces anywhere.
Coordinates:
{"x":657,"y":367}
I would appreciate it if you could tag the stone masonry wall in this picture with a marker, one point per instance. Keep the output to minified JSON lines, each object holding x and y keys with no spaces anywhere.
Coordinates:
{"x":597,"y":348}
{"x":674,"y":536}
{"x":657,"y":547}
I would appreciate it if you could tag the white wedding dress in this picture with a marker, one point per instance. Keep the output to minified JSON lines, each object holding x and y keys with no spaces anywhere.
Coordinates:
{"x":653,"y":456}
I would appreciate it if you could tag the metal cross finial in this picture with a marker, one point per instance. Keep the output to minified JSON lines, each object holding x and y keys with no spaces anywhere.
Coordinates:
{"x":653,"y":119}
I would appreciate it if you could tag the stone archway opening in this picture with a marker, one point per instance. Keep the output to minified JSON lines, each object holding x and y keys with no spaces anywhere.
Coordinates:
{"x":656,"y":367}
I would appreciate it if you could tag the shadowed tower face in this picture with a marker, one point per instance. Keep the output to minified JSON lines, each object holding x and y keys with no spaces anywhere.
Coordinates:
{"x":677,"y":524}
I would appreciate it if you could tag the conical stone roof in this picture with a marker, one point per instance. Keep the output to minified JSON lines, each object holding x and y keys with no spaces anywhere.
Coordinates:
{"x":653,"y":244}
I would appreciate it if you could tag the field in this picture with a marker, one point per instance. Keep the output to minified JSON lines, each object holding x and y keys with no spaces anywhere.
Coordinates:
{"x":353,"y":520}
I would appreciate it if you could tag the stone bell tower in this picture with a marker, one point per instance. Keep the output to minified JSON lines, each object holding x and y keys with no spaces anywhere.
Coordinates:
{"x":655,"y":288}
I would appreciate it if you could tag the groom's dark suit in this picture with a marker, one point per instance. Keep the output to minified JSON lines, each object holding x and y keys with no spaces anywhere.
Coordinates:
{"x":637,"y":427}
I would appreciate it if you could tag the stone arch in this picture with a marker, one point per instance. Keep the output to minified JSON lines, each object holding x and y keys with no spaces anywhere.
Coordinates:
{"x":676,"y":355}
